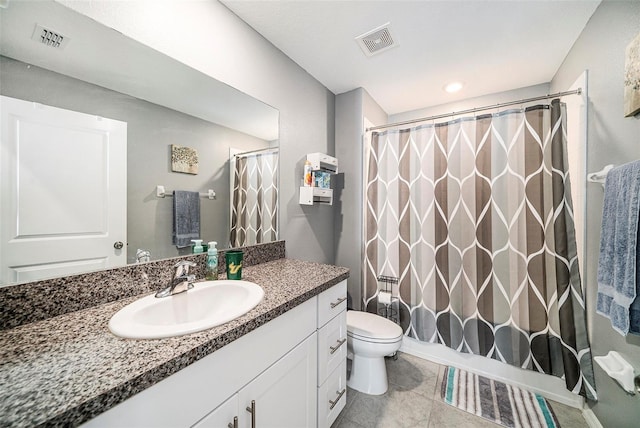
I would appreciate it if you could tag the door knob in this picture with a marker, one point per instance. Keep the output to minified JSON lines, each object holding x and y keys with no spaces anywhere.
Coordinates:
{"x":118,"y":245}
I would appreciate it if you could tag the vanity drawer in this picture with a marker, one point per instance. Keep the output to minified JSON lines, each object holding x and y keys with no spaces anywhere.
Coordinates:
{"x":331,"y":302}
{"x":332,"y":396}
{"x":332,"y":345}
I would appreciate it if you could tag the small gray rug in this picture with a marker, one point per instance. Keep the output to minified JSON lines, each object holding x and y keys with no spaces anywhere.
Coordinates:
{"x":496,"y":401}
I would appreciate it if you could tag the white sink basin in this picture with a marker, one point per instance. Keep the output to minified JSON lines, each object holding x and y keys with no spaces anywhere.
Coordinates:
{"x":207,"y":305}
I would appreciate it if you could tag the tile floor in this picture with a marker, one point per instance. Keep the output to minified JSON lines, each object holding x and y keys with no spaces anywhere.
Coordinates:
{"x":413,"y":400}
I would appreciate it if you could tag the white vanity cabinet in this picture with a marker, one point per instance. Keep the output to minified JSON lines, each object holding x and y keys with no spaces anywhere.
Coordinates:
{"x":186,"y":397}
{"x":332,"y":353}
{"x":277,"y":367}
{"x":282,"y":396}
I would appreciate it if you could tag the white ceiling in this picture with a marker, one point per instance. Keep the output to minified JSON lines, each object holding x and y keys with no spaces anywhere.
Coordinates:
{"x":492,"y":46}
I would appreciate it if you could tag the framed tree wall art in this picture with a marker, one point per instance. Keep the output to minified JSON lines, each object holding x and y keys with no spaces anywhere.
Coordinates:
{"x":184,"y":159}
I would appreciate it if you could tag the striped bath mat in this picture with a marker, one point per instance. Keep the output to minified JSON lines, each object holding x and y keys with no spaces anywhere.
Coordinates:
{"x":501,"y":403}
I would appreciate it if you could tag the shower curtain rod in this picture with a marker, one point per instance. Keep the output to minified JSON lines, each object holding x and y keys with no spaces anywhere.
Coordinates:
{"x":255,"y":152}
{"x":473,"y":110}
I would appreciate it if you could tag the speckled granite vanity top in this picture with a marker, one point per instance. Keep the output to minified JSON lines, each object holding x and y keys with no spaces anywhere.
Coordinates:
{"x":65,"y":370}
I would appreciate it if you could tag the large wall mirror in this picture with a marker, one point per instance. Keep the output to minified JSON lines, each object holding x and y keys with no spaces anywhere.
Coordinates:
{"x":98,"y":72}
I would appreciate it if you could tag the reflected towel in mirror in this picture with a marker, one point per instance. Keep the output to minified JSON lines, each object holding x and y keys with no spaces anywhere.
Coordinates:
{"x":186,"y":217}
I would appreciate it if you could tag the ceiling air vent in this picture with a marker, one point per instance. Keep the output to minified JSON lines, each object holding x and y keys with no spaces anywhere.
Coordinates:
{"x":49,"y":37}
{"x":377,"y":40}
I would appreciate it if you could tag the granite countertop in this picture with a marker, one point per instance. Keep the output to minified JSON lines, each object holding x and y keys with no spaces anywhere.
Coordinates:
{"x":65,"y":370}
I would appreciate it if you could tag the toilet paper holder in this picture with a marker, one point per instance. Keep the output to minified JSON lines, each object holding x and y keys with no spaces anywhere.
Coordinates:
{"x":387,"y":301}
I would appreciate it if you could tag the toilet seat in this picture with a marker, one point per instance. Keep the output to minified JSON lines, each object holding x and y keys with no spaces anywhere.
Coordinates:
{"x":371,"y":340}
{"x":372,"y":328}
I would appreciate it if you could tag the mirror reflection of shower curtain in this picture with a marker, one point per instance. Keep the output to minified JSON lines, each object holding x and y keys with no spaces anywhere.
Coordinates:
{"x":254,"y":211}
{"x":474,"y":217}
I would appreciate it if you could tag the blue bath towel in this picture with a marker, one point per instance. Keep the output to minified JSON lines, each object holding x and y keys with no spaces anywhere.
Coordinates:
{"x":186,"y":217}
{"x":618,"y":279}
{"x":634,"y":310}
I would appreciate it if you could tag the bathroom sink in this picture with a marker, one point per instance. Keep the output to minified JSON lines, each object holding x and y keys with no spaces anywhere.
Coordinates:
{"x":207,"y":305}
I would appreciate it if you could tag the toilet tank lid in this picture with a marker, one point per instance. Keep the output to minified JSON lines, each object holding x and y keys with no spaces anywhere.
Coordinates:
{"x":372,"y":325}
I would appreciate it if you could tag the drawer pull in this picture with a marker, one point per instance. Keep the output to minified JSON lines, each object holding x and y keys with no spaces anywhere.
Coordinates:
{"x":337,"y":302}
{"x":252,"y":410}
{"x":234,"y":424}
{"x":340,"y":394}
{"x":335,"y":348}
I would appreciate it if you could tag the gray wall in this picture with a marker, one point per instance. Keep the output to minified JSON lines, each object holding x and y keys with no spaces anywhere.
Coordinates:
{"x":614,"y":139}
{"x":151,"y":129}
{"x":210,"y":38}
{"x":307,"y":119}
{"x":348,"y":189}
{"x":351,"y":109}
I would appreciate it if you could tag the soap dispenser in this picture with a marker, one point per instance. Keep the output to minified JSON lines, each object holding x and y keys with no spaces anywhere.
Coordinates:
{"x":212,"y":262}
{"x":197,"y":246}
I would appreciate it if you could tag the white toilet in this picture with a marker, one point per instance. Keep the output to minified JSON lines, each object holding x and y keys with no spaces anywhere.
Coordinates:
{"x":370,"y":338}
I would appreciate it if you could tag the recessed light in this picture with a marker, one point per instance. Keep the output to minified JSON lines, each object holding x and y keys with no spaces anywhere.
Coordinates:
{"x":453,"y":87}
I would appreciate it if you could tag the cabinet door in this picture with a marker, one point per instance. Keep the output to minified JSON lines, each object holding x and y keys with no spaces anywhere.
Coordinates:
{"x":285,"y":394}
{"x":221,"y":416}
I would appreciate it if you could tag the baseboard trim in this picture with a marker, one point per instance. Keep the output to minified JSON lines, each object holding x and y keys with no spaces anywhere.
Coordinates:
{"x":591,"y":418}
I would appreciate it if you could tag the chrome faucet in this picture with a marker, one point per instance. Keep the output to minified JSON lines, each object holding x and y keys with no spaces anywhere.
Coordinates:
{"x":181,"y":281}
{"x":143,"y":256}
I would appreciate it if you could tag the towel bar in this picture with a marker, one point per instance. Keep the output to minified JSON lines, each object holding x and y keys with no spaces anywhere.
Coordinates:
{"x":600,"y":176}
{"x":161,"y":193}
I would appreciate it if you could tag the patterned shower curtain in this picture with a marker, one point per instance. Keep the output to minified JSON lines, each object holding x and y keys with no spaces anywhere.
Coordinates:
{"x":474,"y":218}
{"x":254,"y":213}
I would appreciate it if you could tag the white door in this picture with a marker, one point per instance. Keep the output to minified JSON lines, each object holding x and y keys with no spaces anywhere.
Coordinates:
{"x":63,"y":191}
{"x":285,"y":394}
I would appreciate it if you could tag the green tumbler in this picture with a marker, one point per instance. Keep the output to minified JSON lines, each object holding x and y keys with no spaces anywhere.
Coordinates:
{"x":234,"y":264}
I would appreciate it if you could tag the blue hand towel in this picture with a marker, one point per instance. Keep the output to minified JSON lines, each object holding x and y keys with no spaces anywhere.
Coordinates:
{"x":186,"y":217}
{"x":617,"y":266}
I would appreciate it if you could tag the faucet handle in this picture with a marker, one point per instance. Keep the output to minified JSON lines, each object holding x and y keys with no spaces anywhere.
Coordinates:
{"x":182,"y":267}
